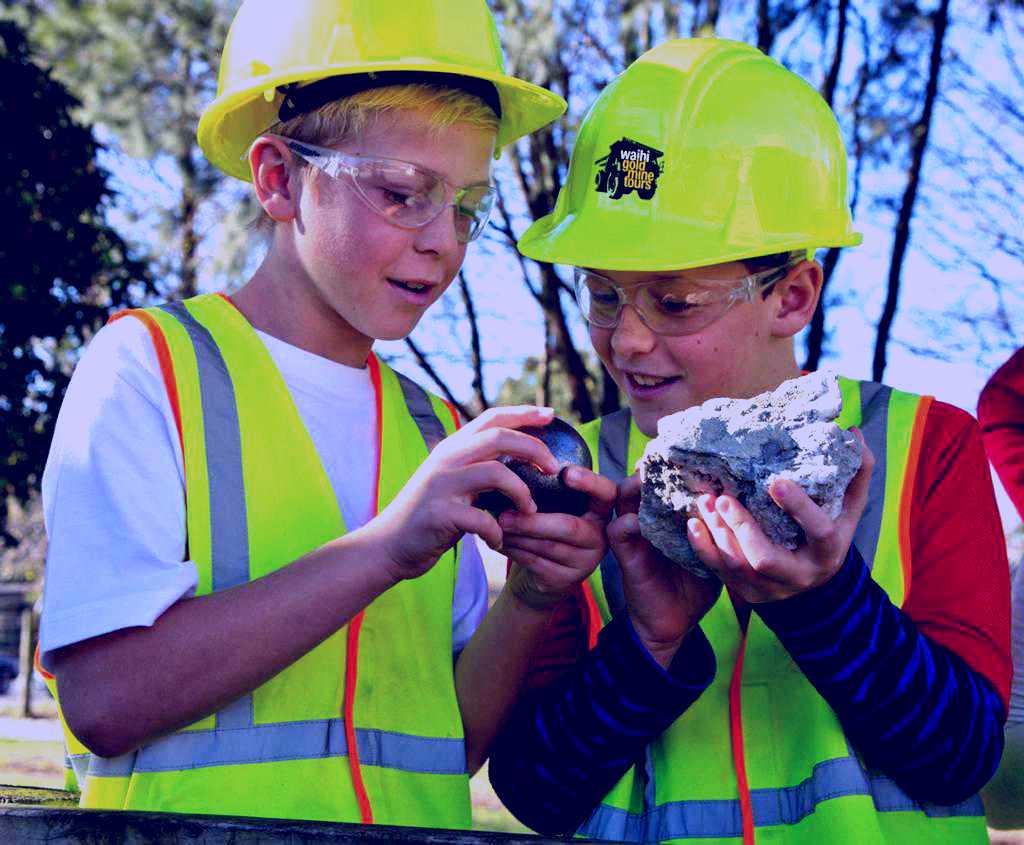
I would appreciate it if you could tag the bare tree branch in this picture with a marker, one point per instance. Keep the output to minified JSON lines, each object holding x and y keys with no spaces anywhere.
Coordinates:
{"x":421,"y":359}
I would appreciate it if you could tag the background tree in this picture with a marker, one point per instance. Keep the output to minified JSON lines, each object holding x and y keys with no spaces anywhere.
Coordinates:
{"x":145,"y":71}
{"x":62,"y":268}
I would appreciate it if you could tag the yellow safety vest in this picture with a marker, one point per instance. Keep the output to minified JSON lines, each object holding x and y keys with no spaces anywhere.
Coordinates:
{"x":366,"y":726}
{"x":760,"y":756}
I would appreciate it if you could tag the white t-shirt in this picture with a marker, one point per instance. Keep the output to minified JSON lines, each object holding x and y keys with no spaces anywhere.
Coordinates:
{"x":114,"y":490}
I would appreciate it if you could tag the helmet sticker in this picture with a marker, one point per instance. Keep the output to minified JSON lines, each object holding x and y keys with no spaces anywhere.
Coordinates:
{"x":629,"y":166}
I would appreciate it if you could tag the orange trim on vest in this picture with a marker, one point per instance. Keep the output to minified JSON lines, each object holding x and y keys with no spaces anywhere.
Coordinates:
{"x":592,"y":616}
{"x":454,"y":413}
{"x":163,"y":355}
{"x":356,"y":623}
{"x":907,"y":493}
{"x":39,"y":666}
{"x":736,"y":730}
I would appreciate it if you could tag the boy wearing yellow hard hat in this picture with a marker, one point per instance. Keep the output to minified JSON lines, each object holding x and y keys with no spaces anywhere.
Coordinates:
{"x":850,"y":691}
{"x":258,"y":582}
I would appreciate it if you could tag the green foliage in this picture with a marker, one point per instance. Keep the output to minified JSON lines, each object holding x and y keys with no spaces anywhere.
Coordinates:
{"x":64,"y":269}
{"x":145,"y":71}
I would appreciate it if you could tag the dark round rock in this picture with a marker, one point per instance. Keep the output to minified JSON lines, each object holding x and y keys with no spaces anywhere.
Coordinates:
{"x":550,"y":493}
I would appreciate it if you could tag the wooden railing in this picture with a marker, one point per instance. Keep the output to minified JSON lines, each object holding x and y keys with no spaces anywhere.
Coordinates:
{"x":35,"y":816}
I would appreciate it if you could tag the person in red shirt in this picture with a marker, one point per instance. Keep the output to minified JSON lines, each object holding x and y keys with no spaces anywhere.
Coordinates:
{"x":1001,"y":414}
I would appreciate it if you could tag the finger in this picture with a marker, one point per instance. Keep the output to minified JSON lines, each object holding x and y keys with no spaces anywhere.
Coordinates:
{"x":554,"y":527}
{"x":628,"y":499}
{"x":496,"y":442}
{"x":472,"y":520}
{"x":493,"y":475}
{"x":793,"y":499}
{"x":624,"y":529}
{"x":569,"y":558}
{"x":511,"y":416}
{"x":755,"y":549}
{"x":704,"y":545}
{"x":554,"y":577}
{"x":720,"y":532}
{"x":602,"y":491}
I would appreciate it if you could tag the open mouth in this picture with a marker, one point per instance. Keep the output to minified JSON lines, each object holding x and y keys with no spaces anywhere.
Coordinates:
{"x":418,"y":292}
{"x":642,"y":384}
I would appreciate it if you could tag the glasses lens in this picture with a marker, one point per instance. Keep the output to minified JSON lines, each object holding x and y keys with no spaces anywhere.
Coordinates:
{"x":676,"y":307}
{"x":472,"y":209}
{"x":598,"y":300}
{"x":403,"y":193}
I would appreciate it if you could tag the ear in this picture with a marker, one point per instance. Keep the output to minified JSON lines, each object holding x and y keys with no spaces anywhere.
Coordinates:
{"x":272,"y":177}
{"x":794,"y":298}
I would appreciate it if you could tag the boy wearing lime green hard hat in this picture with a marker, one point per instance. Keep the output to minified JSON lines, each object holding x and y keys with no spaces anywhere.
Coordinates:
{"x":258,"y":581}
{"x":849,"y":691}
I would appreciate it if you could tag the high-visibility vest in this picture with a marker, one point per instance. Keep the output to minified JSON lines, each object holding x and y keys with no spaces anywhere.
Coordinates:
{"x":760,"y":756}
{"x":366,"y":726}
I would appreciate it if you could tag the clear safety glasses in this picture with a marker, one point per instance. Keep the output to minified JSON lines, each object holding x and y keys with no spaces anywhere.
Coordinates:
{"x":405,"y":194}
{"x":673,"y":306}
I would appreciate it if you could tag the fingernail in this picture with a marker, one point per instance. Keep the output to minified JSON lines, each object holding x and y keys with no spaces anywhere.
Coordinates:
{"x":782,"y":489}
{"x":724,"y":505}
{"x":547,"y":412}
{"x":507,"y":520}
{"x":693,"y":526}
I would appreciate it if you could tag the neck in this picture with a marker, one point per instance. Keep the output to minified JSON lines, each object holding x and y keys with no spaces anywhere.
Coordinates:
{"x":277,"y":301}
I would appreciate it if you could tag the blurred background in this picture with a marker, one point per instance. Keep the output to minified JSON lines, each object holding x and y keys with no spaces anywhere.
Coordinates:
{"x":108,"y":203}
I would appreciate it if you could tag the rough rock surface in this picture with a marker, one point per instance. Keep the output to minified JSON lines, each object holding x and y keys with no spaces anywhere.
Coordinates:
{"x":738,"y":447}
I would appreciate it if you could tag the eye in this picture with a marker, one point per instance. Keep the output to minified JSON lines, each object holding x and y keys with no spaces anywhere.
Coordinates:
{"x":396,"y":197}
{"x":675,"y":306}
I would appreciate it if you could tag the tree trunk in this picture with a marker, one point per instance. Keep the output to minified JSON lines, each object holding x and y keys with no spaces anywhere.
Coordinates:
{"x":424,"y":363}
{"x":610,"y":399}
{"x":919,"y":142}
{"x":816,"y":336}
{"x":765,"y":35}
{"x":705,"y":18}
{"x":474,"y":340}
{"x":575,"y":369}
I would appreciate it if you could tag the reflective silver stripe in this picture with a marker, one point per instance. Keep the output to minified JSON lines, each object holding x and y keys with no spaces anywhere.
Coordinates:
{"x":237,"y":740}
{"x":874,"y":405}
{"x":229,"y":531}
{"x":835,"y":778}
{"x":421,"y":409}
{"x":612,"y":454}
{"x":311,"y":740}
{"x":79,"y":764}
{"x":613,"y":445}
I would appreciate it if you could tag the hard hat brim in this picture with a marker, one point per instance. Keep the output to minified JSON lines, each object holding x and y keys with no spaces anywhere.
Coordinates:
{"x":567,"y":242}
{"x":525,"y":107}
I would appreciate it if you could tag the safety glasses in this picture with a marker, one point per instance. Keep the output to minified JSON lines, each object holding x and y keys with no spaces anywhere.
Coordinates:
{"x":671,"y":306}
{"x":403,"y":193}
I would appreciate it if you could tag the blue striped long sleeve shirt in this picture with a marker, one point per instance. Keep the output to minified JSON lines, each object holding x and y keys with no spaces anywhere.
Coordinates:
{"x":913,"y":709}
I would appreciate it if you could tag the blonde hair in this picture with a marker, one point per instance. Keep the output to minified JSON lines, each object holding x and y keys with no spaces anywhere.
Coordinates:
{"x":342,"y":120}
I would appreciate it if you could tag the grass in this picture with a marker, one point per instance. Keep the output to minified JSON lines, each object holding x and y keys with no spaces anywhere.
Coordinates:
{"x":24,"y":763}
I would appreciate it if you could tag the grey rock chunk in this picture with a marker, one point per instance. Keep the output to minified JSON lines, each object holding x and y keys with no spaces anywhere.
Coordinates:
{"x":739,"y":447}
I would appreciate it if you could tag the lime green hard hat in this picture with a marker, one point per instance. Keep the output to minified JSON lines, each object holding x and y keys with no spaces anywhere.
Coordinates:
{"x":702,"y":151}
{"x":273,"y":44}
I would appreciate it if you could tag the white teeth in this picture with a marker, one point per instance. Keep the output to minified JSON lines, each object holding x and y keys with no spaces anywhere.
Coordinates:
{"x":647,"y":381}
{"x":417,"y":286}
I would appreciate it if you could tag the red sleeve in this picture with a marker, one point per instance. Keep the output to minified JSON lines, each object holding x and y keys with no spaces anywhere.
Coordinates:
{"x":960,"y":590}
{"x":1001,"y":414}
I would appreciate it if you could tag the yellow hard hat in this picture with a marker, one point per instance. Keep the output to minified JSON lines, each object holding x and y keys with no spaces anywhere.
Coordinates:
{"x":702,"y":151}
{"x":273,"y":44}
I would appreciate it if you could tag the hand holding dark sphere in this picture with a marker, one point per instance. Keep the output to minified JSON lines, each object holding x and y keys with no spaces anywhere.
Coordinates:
{"x":550,"y":493}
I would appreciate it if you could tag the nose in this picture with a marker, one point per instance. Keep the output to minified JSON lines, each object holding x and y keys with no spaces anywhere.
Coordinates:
{"x":438,"y":236}
{"x":632,"y":336}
